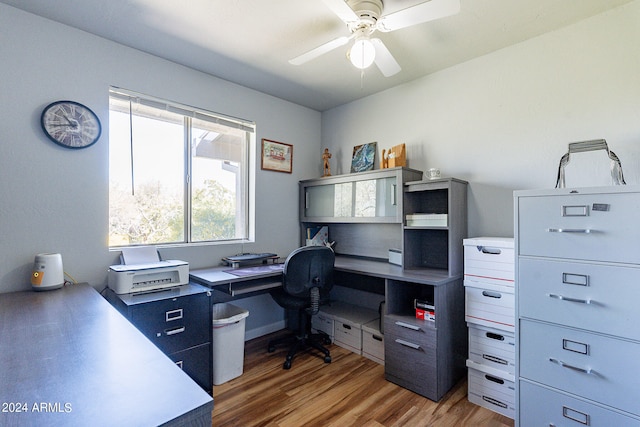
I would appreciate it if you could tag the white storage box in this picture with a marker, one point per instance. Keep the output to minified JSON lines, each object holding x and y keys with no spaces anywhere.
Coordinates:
{"x":323,"y":323}
{"x":348,"y":320}
{"x":489,"y":259}
{"x":492,"y":348}
{"x":373,"y":342}
{"x":227,"y":342}
{"x":491,"y":305}
{"x":491,"y":391}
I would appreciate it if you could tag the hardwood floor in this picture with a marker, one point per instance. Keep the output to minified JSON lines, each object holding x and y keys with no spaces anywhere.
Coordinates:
{"x":350,"y":391}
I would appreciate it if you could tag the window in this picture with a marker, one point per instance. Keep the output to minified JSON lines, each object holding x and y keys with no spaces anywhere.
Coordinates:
{"x":176,"y":174}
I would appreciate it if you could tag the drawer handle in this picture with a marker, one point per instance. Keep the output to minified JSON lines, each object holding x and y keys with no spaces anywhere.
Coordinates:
{"x":494,"y":336}
{"x":377,"y":338}
{"x":344,"y":325}
{"x":173,"y":315}
{"x":575,"y":368}
{"x":570,"y":230}
{"x":490,"y":294}
{"x":408,"y":344}
{"x":175,"y":331}
{"x":563,"y":298}
{"x":394,"y":195}
{"x":408,"y":326}
{"x":494,"y":379}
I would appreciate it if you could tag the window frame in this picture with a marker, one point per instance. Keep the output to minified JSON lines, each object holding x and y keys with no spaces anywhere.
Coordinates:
{"x":190,"y":113}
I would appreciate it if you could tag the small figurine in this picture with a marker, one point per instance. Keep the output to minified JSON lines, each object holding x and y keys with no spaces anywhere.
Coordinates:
{"x":384,"y":160}
{"x":325,"y":158}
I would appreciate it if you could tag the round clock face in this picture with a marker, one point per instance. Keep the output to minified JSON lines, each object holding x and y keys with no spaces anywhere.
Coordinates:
{"x":70,"y":124}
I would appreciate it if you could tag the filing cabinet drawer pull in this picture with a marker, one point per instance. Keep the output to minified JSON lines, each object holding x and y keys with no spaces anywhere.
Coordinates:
{"x":408,"y":326}
{"x":173,"y":315}
{"x":570,"y":230}
{"x":563,"y":298}
{"x":566,"y":365}
{"x":175,"y":331}
{"x":408,"y":344}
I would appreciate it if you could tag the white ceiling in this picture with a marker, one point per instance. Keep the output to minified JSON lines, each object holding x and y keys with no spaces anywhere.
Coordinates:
{"x":250,"y":41}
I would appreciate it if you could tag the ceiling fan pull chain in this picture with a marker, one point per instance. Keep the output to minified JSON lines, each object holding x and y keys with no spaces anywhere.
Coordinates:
{"x":361,"y":79}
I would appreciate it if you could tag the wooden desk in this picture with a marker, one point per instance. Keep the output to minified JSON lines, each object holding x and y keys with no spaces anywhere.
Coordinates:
{"x":68,"y":358}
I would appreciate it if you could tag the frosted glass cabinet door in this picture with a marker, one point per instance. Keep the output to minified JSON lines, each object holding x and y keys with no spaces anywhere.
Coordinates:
{"x":387,"y":197}
{"x":319,"y":201}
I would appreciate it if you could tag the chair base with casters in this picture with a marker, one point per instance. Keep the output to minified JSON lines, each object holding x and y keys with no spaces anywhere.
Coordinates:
{"x":307,"y":279}
{"x":301,"y":340}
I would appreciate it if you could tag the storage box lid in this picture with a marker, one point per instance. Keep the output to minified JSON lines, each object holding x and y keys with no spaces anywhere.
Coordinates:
{"x":496,"y":242}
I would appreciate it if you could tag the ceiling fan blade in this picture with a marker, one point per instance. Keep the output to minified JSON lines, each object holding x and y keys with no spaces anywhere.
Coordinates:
{"x":423,"y":12}
{"x":320,"y":50}
{"x":342,"y":9}
{"x":385,"y":62}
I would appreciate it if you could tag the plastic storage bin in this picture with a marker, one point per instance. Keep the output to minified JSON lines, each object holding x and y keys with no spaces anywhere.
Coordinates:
{"x":228,"y":342}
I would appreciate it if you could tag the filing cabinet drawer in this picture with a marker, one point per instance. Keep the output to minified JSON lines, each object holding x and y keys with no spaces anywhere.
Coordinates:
{"x":492,"y":392}
{"x":596,"y":297}
{"x":492,"y":306}
{"x":580,"y":226}
{"x":195,"y":362}
{"x":595,"y":366}
{"x":174,"y":324}
{"x":540,"y":406}
{"x":492,"y":347}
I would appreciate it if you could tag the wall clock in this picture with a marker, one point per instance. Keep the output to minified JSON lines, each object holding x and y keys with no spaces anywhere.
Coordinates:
{"x":70,"y":124}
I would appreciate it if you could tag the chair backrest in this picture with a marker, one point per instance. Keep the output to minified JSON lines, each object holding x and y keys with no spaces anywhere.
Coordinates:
{"x":308,"y":267}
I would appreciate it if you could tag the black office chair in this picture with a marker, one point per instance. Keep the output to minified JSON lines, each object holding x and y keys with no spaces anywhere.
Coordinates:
{"x":307,"y":280}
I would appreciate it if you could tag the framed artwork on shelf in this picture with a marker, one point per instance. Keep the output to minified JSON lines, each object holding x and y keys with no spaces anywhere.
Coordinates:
{"x":363,"y":157}
{"x":277,"y":156}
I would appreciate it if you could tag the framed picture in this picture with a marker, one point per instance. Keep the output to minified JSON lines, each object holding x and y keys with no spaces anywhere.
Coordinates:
{"x":363,"y":157}
{"x":277,"y":156}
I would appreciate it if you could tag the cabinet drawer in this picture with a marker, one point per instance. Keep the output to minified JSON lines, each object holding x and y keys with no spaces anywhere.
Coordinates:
{"x":489,"y":259}
{"x":410,"y":365}
{"x":174,"y":324}
{"x":492,"y":306}
{"x":494,"y":348}
{"x":196,"y":362}
{"x":540,"y":406}
{"x":590,"y":365}
{"x":596,"y":297}
{"x":372,"y":342}
{"x":580,"y":226}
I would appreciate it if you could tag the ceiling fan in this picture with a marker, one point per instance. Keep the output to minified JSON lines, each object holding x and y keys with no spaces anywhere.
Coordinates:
{"x":365,"y":17}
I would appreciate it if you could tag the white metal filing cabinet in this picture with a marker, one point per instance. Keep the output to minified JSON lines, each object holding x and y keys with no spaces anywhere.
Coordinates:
{"x":489,"y":265}
{"x":578,"y":287}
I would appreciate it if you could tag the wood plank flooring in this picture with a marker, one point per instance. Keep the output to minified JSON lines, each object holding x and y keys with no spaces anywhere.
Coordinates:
{"x":350,"y":391}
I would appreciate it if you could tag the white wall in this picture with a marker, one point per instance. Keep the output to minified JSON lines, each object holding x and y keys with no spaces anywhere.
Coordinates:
{"x":502,"y":121}
{"x":54,"y":199}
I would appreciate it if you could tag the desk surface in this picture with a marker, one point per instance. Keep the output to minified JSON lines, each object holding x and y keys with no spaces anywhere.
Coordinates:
{"x":218,"y":276}
{"x":69,"y":358}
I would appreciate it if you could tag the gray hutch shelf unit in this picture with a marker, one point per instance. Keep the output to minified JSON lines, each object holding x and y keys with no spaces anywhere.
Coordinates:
{"x":366,"y":215}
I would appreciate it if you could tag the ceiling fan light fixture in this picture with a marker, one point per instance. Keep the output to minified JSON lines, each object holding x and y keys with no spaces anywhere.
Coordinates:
{"x":362,"y":53}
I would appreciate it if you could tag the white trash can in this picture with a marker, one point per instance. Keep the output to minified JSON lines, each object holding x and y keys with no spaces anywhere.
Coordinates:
{"x":228,"y":342}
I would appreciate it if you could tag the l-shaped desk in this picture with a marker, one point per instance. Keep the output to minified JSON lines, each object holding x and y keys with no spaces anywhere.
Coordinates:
{"x":424,"y":356}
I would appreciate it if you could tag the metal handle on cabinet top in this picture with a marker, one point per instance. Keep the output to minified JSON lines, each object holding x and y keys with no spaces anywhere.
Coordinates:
{"x":175,"y":331}
{"x":566,"y":365}
{"x":408,"y":344}
{"x":570,"y":230}
{"x":408,"y":326}
{"x":563,"y":298}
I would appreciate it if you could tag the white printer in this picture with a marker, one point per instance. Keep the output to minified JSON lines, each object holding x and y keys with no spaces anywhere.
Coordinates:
{"x":146,"y":277}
